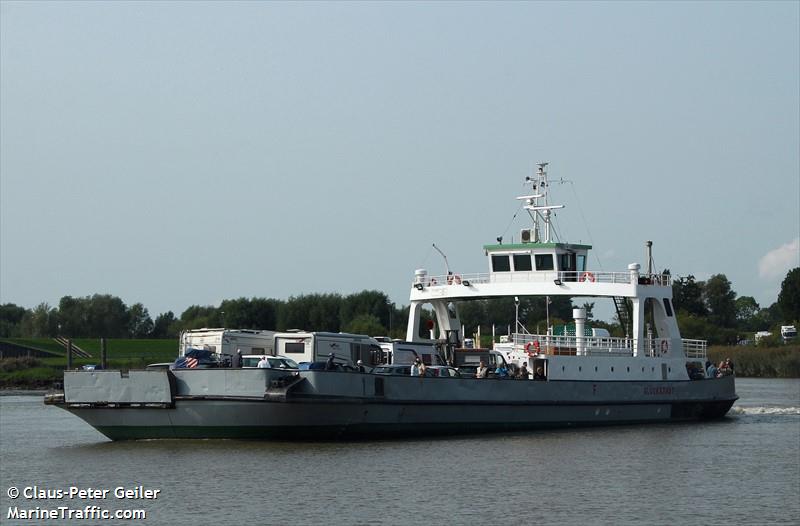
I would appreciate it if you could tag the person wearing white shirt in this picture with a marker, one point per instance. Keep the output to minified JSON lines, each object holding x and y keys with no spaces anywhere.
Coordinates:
{"x":264,"y":363}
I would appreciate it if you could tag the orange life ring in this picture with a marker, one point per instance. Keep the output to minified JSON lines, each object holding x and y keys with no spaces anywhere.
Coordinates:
{"x":536,"y":347}
{"x":588,"y":276}
{"x":664,"y":346}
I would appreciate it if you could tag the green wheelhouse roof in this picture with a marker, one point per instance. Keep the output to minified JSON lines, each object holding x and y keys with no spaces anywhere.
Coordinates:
{"x":529,"y":246}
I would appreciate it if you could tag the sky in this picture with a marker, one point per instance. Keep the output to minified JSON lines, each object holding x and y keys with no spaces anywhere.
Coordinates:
{"x":179,"y":154}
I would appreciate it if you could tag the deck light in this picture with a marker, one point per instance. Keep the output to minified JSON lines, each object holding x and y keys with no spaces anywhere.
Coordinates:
{"x":557,"y":282}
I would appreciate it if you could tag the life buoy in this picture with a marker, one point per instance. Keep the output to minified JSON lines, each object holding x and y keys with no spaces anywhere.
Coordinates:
{"x":588,"y":276}
{"x":664,"y":346}
{"x":536,"y":348}
{"x":457,"y":279}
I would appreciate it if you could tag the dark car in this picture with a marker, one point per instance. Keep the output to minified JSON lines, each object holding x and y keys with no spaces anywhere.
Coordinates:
{"x":394,"y":370}
{"x":442,"y":371}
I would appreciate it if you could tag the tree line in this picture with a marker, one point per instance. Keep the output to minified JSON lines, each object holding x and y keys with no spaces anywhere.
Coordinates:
{"x":707,"y":309}
{"x":712,"y":310}
{"x":104,"y":315}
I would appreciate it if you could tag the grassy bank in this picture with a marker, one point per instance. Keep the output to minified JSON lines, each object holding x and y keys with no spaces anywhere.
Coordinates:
{"x":27,"y":373}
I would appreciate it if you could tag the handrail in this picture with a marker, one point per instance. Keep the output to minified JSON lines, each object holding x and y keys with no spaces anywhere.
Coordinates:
{"x":589,"y":278}
{"x":606,"y":346}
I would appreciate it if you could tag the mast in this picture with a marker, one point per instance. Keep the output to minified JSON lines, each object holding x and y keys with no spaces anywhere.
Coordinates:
{"x":538,"y":204}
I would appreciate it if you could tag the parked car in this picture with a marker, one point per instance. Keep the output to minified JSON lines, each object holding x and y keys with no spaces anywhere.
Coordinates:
{"x":442,"y":371}
{"x":275,"y":362}
{"x":394,"y":370}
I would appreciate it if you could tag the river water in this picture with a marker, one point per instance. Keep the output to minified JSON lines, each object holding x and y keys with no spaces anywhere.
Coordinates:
{"x":744,"y":469}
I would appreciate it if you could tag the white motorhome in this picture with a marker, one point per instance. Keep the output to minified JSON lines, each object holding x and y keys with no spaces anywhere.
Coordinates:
{"x":404,"y":353}
{"x":316,"y":346}
{"x":227,"y":341}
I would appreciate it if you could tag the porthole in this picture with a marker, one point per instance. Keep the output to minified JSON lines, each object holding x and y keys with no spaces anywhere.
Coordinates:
{"x":629,"y":369}
{"x":652,"y":369}
{"x":595,"y":368}
{"x":642,"y":369}
{"x":562,"y":368}
{"x":670,"y":369}
{"x":612,"y":369}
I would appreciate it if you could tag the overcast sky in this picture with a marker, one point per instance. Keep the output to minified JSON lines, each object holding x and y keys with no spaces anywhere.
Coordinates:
{"x":184,"y":153}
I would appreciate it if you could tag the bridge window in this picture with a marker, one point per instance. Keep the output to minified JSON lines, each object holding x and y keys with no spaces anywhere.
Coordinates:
{"x":544,"y":262}
{"x":522,"y":262}
{"x":567,"y":262}
{"x":500,"y":264}
{"x":581,"y":263}
{"x":668,"y":307}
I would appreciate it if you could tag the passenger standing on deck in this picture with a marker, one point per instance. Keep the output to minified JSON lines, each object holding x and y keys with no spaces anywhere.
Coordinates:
{"x":263,"y":363}
{"x":330,"y":365}
{"x":539,"y":374}
{"x":360,"y":366}
{"x":415,"y":368}
{"x":237,"y":359}
{"x":711,"y":370}
{"x":522,"y":374}
{"x":421,"y":367}
{"x":482,"y":370}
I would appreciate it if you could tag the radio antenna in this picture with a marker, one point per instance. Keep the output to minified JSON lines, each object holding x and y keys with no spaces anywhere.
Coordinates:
{"x":446,"y":265}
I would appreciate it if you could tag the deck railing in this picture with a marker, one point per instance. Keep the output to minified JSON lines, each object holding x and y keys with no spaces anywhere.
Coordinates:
{"x":603,"y":346}
{"x":695,"y":349}
{"x":568,"y":345}
{"x":542,"y":277}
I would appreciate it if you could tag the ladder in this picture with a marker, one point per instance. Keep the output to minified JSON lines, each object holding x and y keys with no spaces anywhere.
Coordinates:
{"x":623,"y":307}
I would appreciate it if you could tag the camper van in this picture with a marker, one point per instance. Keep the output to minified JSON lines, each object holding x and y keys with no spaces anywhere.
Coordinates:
{"x":225,"y":342}
{"x":316,"y":346}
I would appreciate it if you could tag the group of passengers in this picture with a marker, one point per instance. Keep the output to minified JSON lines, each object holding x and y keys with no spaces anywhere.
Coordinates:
{"x":725,"y":368}
{"x":509,"y":372}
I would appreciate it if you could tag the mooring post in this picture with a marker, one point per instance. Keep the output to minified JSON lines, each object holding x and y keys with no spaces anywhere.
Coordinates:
{"x":103,"y":354}
{"x":69,"y":355}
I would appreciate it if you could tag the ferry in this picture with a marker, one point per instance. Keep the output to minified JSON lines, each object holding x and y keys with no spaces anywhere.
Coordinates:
{"x":649,"y":375}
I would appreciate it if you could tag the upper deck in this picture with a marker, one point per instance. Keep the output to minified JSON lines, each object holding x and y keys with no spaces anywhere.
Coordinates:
{"x":540,"y":283}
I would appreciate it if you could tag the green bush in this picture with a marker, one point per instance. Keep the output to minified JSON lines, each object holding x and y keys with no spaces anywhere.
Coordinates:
{"x":773,"y":362}
{"x":18,"y":364}
{"x":32,"y":378}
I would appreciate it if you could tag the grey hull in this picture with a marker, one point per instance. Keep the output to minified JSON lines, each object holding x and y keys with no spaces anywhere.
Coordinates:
{"x":319,"y":405}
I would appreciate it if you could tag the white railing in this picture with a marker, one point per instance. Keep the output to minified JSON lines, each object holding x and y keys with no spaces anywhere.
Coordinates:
{"x":695,"y":348}
{"x":568,"y":345}
{"x":599,"y":346}
{"x":542,"y":277}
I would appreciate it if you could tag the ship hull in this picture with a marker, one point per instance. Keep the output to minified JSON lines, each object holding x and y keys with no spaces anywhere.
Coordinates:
{"x":325,"y":406}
